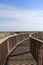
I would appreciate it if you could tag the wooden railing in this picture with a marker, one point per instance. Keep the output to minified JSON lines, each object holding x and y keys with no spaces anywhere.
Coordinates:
{"x":9,"y":43}
{"x":36,"y":47}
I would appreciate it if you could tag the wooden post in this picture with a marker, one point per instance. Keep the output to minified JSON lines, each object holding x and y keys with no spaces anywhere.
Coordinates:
{"x":40,"y":56}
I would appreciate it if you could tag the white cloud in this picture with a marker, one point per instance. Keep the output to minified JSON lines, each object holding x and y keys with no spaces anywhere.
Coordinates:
{"x":27,"y":19}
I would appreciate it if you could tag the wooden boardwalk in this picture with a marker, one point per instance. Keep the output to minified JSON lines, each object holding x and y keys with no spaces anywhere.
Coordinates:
{"x":22,"y":55}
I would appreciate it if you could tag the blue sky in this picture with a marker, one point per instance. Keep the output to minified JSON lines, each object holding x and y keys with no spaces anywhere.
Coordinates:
{"x":26,"y":4}
{"x":21,"y":15}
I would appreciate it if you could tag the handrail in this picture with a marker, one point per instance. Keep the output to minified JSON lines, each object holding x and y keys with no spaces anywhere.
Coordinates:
{"x":35,"y":38}
{"x":9,"y":44}
{"x":36,"y":47}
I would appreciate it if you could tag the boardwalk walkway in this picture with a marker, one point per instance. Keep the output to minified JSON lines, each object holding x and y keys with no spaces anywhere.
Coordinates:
{"x":22,"y":55}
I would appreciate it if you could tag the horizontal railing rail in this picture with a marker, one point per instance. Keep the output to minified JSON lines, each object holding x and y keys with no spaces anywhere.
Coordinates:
{"x":9,"y":44}
{"x":36,"y":47}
